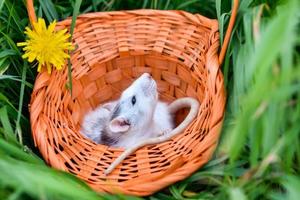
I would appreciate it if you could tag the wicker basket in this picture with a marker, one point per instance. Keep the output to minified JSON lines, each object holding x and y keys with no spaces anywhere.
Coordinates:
{"x":179,"y":49}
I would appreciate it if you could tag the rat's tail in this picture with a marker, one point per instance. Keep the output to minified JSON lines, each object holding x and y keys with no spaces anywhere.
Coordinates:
{"x":186,"y":102}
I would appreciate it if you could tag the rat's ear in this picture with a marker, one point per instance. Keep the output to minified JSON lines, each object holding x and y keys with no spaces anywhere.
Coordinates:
{"x":109,"y":106}
{"x":119,"y":124}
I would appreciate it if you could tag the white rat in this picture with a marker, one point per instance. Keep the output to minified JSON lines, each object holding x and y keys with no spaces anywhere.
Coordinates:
{"x":138,"y":118}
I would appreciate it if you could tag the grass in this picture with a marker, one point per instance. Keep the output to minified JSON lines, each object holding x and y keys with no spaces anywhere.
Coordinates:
{"x":259,"y":152}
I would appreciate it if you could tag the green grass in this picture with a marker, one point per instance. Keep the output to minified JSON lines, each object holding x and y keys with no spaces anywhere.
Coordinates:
{"x":259,"y":152}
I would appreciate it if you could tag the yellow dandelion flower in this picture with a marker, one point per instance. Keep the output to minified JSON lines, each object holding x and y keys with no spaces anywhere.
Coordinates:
{"x":47,"y":46}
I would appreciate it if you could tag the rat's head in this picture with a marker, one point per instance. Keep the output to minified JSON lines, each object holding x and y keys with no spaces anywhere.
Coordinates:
{"x":136,"y":106}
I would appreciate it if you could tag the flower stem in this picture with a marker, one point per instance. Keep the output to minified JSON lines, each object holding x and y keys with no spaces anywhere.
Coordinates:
{"x":74,"y":17}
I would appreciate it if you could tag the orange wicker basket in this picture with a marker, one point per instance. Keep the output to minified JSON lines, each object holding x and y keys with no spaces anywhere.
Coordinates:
{"x":179,"y":49}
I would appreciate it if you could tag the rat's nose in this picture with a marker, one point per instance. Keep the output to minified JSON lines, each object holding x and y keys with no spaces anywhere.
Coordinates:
{"x":147,"y":75}
{"x":145,"y":79}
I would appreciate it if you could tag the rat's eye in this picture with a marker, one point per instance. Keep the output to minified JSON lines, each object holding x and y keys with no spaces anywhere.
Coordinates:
{"x":133,"y":100}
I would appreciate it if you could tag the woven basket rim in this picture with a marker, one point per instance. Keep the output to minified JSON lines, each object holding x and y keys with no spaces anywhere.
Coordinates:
{"x":235,"y":6}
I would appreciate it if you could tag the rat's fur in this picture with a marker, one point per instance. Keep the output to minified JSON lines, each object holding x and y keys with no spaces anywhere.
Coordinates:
{"x":124,"y":124}
{"x":95,"y":124}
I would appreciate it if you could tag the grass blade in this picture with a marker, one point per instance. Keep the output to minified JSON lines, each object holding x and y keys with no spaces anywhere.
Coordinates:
{"x":15,"y":151}
{"x":7,"y":128}
{"x":49,"y":10}
{"x":21,"y":102}
{"x":185,"y":4}
{"x":75,"y":14}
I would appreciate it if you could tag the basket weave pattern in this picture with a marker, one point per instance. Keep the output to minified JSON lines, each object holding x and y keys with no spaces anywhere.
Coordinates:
{"x":179,"y":49}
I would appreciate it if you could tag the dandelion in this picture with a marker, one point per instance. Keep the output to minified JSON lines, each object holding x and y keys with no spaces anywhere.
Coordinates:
{"x":47,"y":46}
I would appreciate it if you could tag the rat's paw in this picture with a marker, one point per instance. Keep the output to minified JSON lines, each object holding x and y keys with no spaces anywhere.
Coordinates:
{"x":165,"y":132}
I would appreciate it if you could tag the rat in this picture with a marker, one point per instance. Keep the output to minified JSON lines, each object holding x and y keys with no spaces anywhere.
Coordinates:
{"x":136,"y":116}
{"x":137,"y":119}
{"x":186,"y":102}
